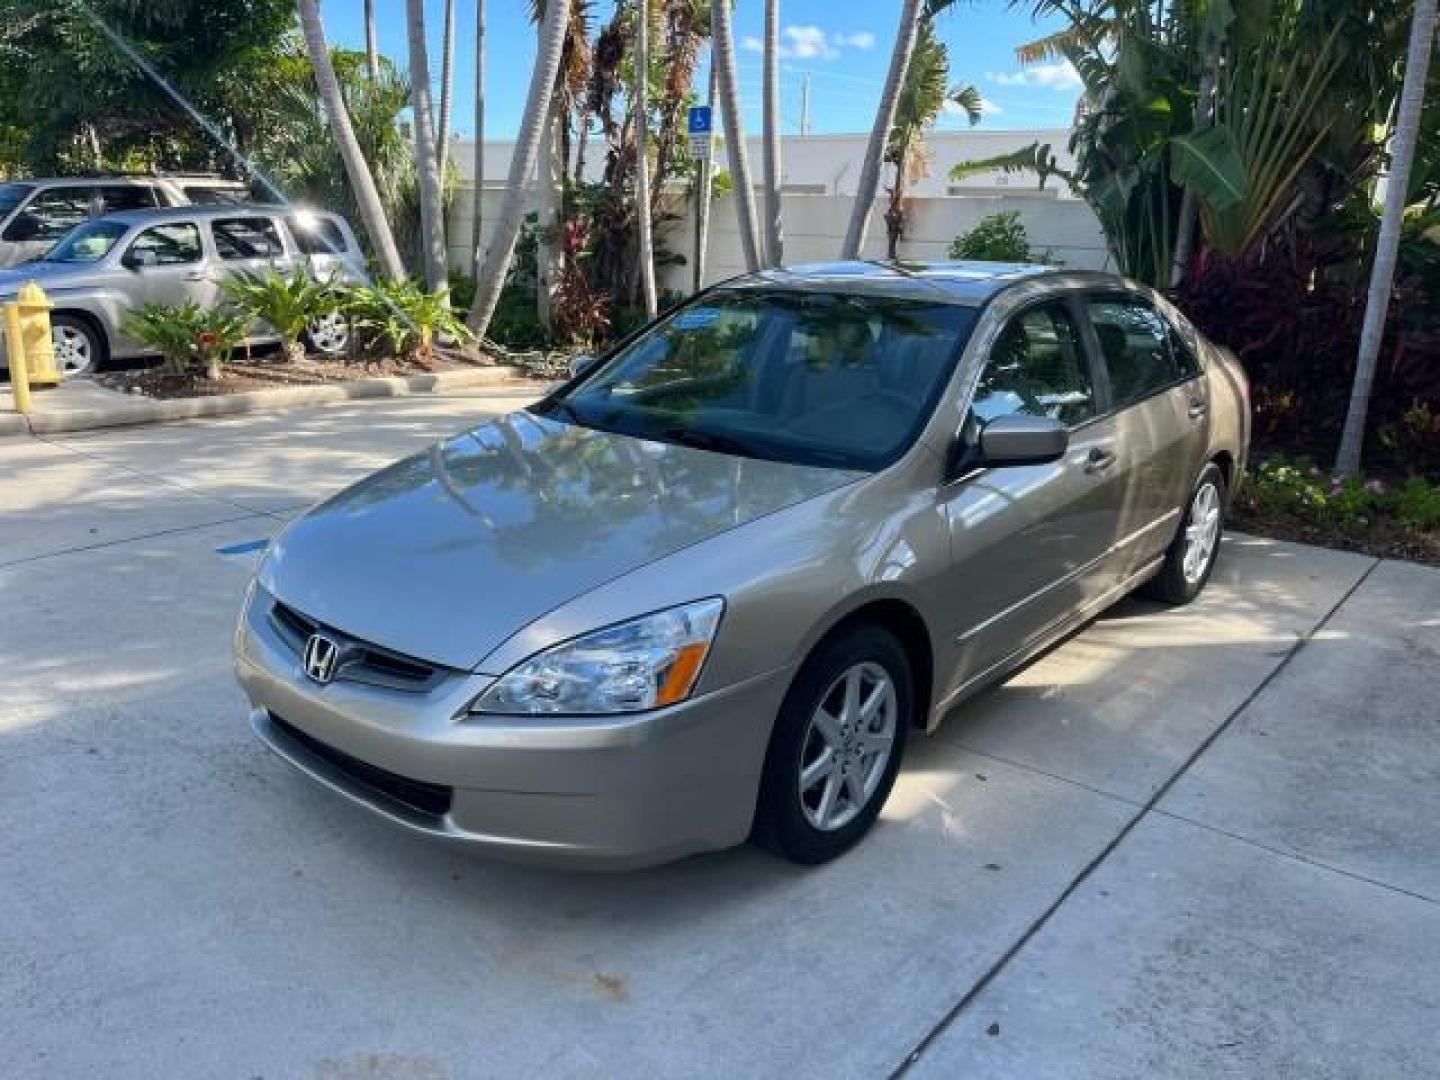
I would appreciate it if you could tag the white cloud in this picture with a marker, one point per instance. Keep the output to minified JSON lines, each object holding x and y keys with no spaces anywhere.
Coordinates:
{"x":812,"y":43}
{"x":1060,"y":76}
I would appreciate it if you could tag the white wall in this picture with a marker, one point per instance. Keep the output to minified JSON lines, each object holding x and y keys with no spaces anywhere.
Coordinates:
{"x":830,"y":164}
{"x":815,"y":226}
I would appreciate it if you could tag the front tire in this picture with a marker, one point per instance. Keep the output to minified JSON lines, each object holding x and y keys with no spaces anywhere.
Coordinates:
{"x":329,"y":335}
{"x":836,"y":746}
{"x":1191,"y":558}
{"x":79,"y":348}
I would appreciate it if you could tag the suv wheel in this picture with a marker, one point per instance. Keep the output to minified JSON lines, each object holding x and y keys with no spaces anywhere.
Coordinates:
{"x":79,"y":350}
{"x":329,"y":335}
{"x":1196,"y":546}
{"x":836,"y":747}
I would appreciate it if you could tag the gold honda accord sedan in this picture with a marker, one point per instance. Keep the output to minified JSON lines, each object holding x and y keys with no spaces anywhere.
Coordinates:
{"x":708,"y":588}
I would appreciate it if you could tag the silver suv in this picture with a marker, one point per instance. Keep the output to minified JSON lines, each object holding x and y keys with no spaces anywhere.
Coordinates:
{"x":112,"y":265}
{"x":34,"y":214}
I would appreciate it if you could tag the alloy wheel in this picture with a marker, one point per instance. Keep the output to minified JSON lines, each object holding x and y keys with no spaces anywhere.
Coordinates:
{"x":74,"y":351}
{"x":847,"y":746}
{"x":1202,"y":533}
{"x":330,"y":334}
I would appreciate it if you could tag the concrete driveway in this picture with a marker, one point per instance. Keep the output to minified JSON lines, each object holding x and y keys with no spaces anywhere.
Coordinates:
{"x":1187,"y":843}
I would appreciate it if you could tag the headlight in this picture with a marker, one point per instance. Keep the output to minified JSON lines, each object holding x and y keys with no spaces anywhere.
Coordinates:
{"x":646,"y":663}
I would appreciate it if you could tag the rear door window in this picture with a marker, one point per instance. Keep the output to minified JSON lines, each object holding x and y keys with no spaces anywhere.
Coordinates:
{"x":1142,"y":351}
{"x":317,"y":236}
{"x":115,"y":198}
{"x":1037,"y":367}
{"x":247,"y":238}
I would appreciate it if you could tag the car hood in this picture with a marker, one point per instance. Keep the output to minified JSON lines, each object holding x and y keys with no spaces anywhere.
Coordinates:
{"x":46,"y":275}
{"x":445,"y":555}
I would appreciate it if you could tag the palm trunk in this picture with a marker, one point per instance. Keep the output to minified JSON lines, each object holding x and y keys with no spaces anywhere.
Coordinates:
{"x":774,"y":231}
{"x":432,"y":209}
{"x":869,"y":182}
{"x":372,"y":42}
{"x":367,"y":198}
{"x":723,"y":56}
{"x":1387,"y":246}
{"x":1189,"y":202}
{"x":447,"y":87}
{"x":522,"y":164}
{"x":546,"y":188}
{"x":707,"y":181}
{"x":642,"y":156}
{"x":476,"y":230}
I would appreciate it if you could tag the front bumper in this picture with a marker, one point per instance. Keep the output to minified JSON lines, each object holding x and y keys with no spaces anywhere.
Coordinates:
{"x":601,"y":792}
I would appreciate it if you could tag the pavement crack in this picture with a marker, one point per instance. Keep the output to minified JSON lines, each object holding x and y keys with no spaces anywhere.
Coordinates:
{"x":1041,"y":920}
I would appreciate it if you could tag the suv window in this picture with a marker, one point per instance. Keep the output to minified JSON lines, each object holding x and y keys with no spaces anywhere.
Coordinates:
{"x":317,"y":235}
{"x":51,"y":214}
{"x":247,"y":238}
{"x":168,"y":245}
{"x":1140,"y":349}
{"x":1037,"y":367}
{"x":118,"y":197}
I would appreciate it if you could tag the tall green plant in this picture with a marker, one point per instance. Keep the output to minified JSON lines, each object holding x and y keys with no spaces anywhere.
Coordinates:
{"x":289,"y":303}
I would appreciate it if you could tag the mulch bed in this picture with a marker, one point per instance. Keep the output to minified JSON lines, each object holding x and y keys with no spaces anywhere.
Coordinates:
{"x":272,"y":372}
{"x":1381,"y":539}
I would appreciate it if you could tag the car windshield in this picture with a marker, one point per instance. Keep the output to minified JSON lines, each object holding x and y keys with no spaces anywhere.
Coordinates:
{"x":12,"y":195}
{"x":87,"y":243}
{"x":811,"y":378}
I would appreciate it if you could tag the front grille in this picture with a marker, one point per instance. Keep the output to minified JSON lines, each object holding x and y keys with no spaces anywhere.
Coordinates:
{"x":359,"y":660}
{"x":425,"y":798}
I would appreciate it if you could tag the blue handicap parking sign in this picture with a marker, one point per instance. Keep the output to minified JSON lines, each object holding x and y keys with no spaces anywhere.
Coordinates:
{"x":700,"y":120}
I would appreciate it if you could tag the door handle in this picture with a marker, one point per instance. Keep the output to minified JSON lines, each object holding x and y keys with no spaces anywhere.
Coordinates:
{"x":1198,"y":408}
{"x":1099,"y":460}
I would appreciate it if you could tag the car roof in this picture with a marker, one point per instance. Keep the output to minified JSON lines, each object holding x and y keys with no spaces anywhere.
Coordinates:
{"x":91,"y":181}
{"x":966,"y":283}
{"x":152,"y":215}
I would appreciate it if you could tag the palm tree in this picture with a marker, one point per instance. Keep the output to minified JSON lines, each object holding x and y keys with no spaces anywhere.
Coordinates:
{"x":869,"y":182}
{"x":478,"y":200}
{"x":922,"y":98}
{"x":432,"y":208}
{"x":1387,"y":246}
{"x":447,"y":86}
{"x":642,"y":155}
{"x":372,"y":211}
{"x":372,"y":41}
{"x":522,"y":164}
{"x":723,"y":56}
{"x":774,"y":230}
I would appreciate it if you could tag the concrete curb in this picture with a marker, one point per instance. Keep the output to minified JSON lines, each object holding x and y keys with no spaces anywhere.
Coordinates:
{"x":125,"y":410}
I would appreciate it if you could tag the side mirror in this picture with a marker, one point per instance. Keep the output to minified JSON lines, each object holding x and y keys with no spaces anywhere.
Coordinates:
{"x":139,"y":258}
{"x":1022,"y":440}
{"x":581,"y":364}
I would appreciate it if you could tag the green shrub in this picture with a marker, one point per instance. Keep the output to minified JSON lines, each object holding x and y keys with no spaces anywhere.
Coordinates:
{"x":402,"y":318}
{"x":1297,"y":489}
{"x":997,"y":237}
{"x":187,"y":333}
{"x":289,"y":303}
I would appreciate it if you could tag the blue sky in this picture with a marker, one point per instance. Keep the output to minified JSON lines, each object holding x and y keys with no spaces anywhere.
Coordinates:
{"x":843,"y":45}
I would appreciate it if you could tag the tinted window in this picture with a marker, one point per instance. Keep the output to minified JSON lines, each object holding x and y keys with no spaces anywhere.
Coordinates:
{"x":12,"y":195}
{"x":51,"y":214}
{"x":168,"y":245}
{"x":216,"y":196}
{"x":317,"y":235}
{"x":1136,"y":344}
{"x":813,"y":378}
{"x":1037,"y":368}
{"x":89,"y":243}
{"x":126,"y":197}
{"x":247,"y":238}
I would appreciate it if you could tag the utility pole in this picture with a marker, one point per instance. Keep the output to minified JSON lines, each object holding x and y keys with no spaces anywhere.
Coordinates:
{"x":805,"y":104}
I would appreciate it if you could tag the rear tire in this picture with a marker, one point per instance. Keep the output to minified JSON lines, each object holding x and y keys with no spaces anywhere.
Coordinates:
{"x":329,"y":335}
{"x":836,"y":747}
{"x":1192,"y":554}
